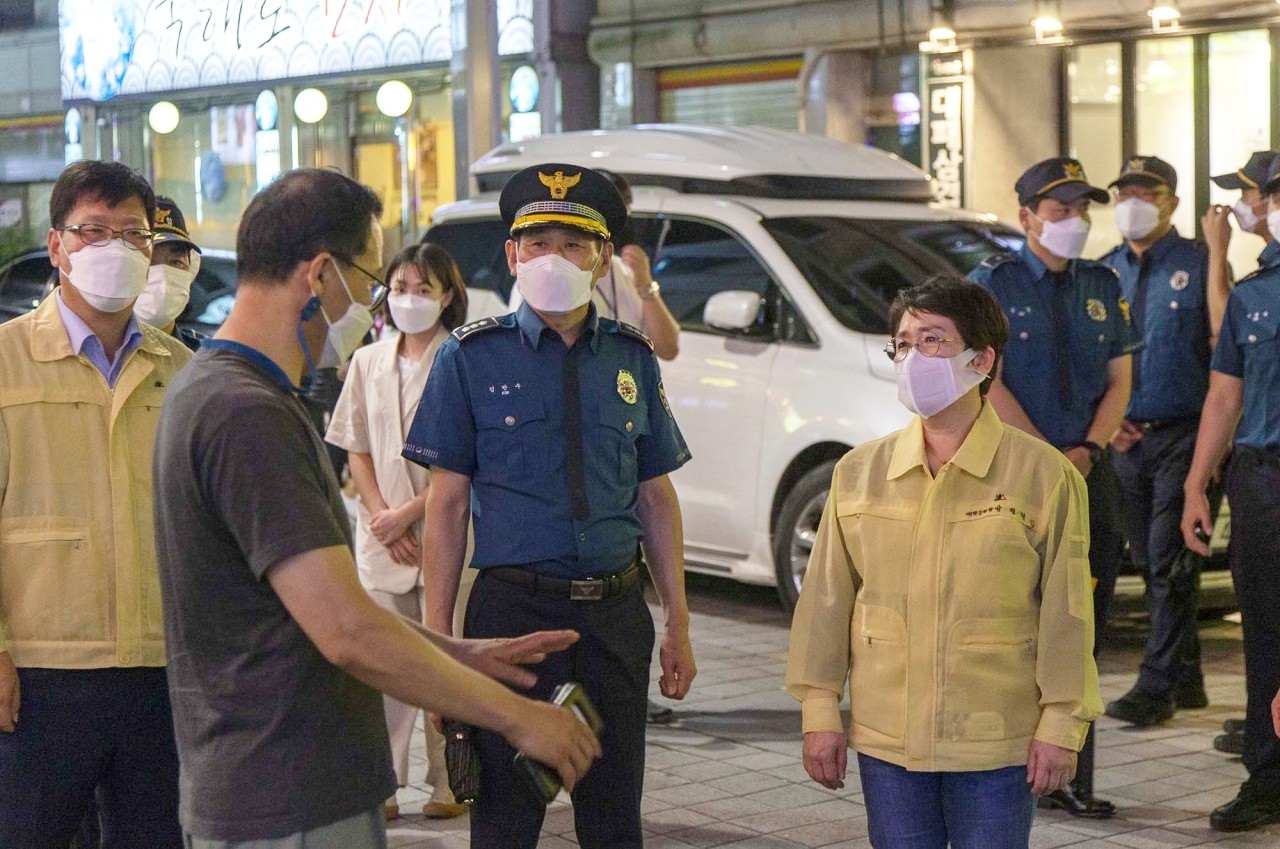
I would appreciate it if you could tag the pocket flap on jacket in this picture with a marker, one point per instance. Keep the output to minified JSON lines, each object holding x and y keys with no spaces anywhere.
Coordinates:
{"x":24,"y":529}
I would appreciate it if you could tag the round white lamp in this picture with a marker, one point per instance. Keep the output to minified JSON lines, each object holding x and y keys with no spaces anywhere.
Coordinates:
{"x":394,"y":98}
{"x":310,"y":105}
{"x":163,"y":117}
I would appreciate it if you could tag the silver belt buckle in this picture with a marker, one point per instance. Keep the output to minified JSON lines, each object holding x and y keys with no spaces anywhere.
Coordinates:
{"x":589,"y":590}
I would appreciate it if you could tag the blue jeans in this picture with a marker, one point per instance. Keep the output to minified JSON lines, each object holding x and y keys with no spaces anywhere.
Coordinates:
{"x":989,"y":809}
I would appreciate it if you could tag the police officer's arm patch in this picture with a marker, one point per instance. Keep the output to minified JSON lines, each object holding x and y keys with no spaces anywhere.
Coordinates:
{"x":474,"y":328}
{"x":636,"y":334}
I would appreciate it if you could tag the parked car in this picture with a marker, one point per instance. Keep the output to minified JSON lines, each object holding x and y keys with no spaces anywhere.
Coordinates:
{"x":28,"y":278}
{"x":779,"y":254}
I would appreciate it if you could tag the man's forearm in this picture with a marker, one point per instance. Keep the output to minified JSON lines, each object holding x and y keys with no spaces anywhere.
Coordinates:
{"x":1218,"y":292}
{"x":444,"y":547}
{"x":1218,"y":420}
{"x":1010,"y":411}
{"x":659,"y":512}
{"x":661,"y":327}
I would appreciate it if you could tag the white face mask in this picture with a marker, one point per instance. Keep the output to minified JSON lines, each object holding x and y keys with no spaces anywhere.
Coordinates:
{"x":345,"y":334}
{"x":109,"y":276}
{"x":1245,"y":215}
{"x":1136,"y":218}
{"x":1064,"y":238}
{"x":1273,"y":223}
{"x":167,"y":293}
{"x":928,"y":385}
{"x":414,"y":313}
{"x":552,"y":284}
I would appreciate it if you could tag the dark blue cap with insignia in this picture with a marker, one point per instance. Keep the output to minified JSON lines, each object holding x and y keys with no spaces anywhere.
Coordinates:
{"x":1252,"y":176}
{"x":1271,"y":182}
{"x":171,"y":225}
{"x":555,"y":194}
{"x":1150,"y":171}
{"x":1060,"y":178}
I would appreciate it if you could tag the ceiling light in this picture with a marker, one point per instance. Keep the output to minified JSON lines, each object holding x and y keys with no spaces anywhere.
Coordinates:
{"x":1164,"y":15}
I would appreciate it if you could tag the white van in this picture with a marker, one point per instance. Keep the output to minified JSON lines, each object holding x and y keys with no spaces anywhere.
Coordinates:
{"x":779,"y":254}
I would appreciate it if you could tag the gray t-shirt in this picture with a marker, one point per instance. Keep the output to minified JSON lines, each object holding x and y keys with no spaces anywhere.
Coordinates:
{"x":272,"y":738}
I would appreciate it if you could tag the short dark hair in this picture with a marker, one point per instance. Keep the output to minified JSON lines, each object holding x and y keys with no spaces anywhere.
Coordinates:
{"x":113,"y":183}
{"x":619,"y":182}
{"x":434,"y":263}
{"x":304,"y":212}
{"x":975,"y":311}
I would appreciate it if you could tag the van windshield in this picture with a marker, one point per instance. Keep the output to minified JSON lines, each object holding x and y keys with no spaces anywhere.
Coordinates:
{"x":857,"y":266}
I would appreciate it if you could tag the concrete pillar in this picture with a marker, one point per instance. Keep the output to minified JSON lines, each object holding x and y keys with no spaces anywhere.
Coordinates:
{"x":570,"y":81}
{"x":476,"y":113}
{"x":835,"y":95}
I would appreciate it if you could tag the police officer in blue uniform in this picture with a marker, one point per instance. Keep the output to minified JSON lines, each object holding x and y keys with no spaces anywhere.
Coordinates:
{"x":1251,"y":208}
{"x":550,"y":428}
{"x":1242,"y":407}
{"x":1165,"y":278}
{"x":1066,"y":372}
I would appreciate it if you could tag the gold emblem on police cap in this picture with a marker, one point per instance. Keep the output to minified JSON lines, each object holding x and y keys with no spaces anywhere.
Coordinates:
{"x":1137,"y":163}
{"x":1072,"y":171}
{"x":162,"y":217}
{"x":559,"y":184}
{"x":627,"y":386}
{"x":1096,"y":309}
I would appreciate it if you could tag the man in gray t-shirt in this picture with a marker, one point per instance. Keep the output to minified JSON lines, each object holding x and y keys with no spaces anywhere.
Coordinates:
{"x":276,"y":653}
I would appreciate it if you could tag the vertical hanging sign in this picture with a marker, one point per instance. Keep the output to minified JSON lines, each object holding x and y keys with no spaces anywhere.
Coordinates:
{"x":947,"y":92}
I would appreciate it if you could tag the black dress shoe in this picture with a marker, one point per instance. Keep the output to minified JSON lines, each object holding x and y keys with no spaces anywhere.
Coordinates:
{"x":1230,"y":743}
{"x":659,"y":715}
{"x":1190,"y":696}
{"x":1078,"y":804}
{"x":1253,"y":808}
{"x":1233,"y":726}
{"x":1138,"y":708}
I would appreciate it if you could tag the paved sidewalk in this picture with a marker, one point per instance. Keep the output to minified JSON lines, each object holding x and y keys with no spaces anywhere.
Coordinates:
{"x":728,"y":772}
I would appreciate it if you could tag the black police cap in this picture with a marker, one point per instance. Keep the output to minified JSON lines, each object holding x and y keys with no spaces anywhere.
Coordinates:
{"x":171,"y":225}
{"x":1149,"y":171}
{"x":1271,"y":182}
{"x":1252,"y":176}
{"x":556,"y":194}
{"x":1061,"y":178}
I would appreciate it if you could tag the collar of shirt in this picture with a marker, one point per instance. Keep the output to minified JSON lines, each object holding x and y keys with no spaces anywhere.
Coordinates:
{"x":975,"y":454}
{"x":532,"y":326}
{"x":1157,"y":251}
{"x":1270,"y":254}
{"x":79,"y":334}
{"x":1038,"y":269}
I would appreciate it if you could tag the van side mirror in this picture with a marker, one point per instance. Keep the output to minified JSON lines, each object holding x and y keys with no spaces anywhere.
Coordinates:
{"x":733,"y":310}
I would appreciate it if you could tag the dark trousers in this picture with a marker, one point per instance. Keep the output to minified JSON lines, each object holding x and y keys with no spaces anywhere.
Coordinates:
{"x":1150,"y":476}
{"x":1253,"y":491}
{"x":611,"y":662}
{"x":1106,"y":546}
{"x":109,"y":729}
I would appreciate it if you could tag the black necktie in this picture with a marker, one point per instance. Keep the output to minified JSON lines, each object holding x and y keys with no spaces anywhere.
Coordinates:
{"x":1061,"y":299}
{"x":573,"y":435}
{"x":1138,"y":313}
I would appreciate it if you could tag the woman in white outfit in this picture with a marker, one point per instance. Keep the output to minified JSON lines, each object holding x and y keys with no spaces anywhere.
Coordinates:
{"x":383,"y":387}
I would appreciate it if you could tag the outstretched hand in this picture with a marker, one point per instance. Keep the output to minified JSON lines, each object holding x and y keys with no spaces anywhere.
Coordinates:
{"x":502,"y":658}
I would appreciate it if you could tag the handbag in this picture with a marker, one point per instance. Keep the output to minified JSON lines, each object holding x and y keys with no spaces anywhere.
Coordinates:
{"x":462,"y":761}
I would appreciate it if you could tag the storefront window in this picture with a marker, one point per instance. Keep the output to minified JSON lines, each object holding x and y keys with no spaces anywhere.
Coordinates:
{"x":1239,"y":119}
{"x":1165,"y":113}
{"x":1094,"y":117}
{"x":893,"y":115}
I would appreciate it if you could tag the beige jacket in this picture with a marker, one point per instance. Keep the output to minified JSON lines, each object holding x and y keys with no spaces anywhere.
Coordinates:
{"x":959,"y":608}
{"x":78,"y":582}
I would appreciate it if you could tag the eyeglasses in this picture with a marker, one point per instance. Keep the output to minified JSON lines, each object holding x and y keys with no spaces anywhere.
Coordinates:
{"x":897,"y":349}
{"x":378,"y":292}
{"x":96,"y":235}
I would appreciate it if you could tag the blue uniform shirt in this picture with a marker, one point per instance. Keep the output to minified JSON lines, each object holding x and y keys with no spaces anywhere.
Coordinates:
{"x":1249,"y":348}
{"x":1171,"y":375}
{"x":493,"y":410}
{"x":1270,"y":256}
{"x":1061,"y":338}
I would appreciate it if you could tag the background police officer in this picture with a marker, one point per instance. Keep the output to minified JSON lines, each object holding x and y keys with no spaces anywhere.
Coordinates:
{"x":1244,"y":386}
{"x":552,"y":421}
{"x":1164,"y":277}
{"x":175,"y":262}
{"x":1065,"y":374}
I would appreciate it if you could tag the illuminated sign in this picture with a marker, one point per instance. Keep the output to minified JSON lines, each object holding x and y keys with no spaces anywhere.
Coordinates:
{"x":115,"y":47}
{"x":947,"y":87}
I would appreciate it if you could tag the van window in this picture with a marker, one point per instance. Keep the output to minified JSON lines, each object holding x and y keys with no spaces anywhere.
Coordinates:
{"x":857,"y":267}
{"x":478,"y":248}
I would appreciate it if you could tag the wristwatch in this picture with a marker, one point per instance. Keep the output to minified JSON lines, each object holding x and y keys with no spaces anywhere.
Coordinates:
{"x":1095,"y":451}
{"x":654,"y":289}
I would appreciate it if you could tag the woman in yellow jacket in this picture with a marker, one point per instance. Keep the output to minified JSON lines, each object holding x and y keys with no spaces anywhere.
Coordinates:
{"x":949,"y":584}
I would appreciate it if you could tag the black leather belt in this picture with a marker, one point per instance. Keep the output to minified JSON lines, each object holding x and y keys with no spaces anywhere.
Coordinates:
{"x":593,"y":588}
{"x":1149,"y":425}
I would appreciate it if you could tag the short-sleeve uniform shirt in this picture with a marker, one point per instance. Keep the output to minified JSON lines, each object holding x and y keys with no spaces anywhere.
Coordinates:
{"x":494,"y":410}
{"x":1171,"y":374}
{"x":1062,"y":335}
{"x":1249,"y":348}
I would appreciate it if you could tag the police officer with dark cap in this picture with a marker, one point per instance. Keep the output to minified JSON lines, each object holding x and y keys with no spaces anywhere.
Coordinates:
{"x":1242,"y":411}
{"x":549,"y":428}
{"x":1165,"y":278}
{"x":175,"y":262}
{"x":1066,"y":372}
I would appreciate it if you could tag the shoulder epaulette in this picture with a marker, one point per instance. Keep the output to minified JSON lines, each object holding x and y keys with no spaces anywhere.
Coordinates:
{"x":996,"y":260}
{"x":636,"y":334}
{"x":474,"y":328}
